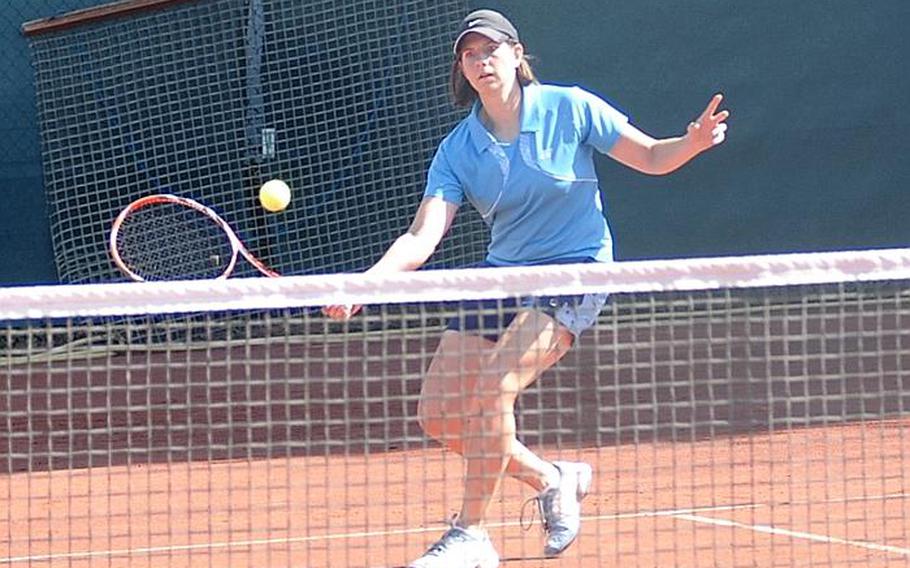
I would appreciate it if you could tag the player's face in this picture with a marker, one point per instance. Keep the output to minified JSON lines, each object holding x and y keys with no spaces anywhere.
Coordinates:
{"x":488,"y":65}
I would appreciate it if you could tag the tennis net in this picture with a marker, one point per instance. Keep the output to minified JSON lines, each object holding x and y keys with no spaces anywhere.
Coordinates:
{"x":737,"y":412}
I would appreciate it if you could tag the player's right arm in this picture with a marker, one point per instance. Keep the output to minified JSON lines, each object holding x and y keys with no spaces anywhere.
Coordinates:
{"x":412,"y":249}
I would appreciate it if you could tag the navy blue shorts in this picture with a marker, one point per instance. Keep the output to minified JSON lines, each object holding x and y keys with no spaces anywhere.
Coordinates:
{"x":490,"y":317}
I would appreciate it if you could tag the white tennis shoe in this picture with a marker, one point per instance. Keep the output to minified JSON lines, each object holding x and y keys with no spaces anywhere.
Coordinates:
{"x":560,"y":506}
{"x":460,"y":548}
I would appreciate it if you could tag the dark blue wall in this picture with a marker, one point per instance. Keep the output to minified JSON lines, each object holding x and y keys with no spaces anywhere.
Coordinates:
{"x":23,"y":220}
{"x":24,"y":232}
{"x":817,"y":156}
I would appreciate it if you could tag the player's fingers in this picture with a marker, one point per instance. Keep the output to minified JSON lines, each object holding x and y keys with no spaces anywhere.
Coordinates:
{"x":722,"y":116}
{"x":719,"y":134}
{"x":712,"y":106}
{"x":340,"y":313}
{"x":335,"y":312}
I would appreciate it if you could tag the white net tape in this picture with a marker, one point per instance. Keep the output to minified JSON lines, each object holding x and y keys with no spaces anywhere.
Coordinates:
{"x":442,"y":285}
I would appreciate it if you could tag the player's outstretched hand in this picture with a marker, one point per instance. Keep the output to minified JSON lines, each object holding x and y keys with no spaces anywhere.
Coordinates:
{"x":709,"y":129}
{"x":341,"y":313}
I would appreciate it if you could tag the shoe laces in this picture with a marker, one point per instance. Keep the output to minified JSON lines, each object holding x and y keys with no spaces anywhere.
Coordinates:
{"x":521,"y":519}
{"x":548,"y":505}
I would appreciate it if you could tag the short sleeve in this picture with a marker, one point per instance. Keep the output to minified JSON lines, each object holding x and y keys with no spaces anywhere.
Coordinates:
{"x":601,"y":124}
{"x":442,"y":181}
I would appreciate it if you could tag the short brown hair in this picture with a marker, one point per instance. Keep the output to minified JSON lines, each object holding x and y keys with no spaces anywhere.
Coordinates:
{"x":464,"y":95}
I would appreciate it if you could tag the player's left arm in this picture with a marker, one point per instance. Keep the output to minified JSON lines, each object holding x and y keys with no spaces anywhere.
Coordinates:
{"x":654,"y":156}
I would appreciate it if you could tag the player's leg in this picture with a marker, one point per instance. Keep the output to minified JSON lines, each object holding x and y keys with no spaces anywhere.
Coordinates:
{"x":496,"y":375}
{"x":459,"y":406}
{"x":442,"y":410}
{"x":446,"y":397}
{"x":532,"y":343}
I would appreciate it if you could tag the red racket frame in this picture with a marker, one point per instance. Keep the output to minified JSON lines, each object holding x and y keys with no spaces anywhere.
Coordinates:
{"x":237,"y":246}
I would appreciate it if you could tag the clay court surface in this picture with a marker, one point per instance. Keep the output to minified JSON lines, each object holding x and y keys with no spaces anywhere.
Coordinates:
{"x":821,"y":496}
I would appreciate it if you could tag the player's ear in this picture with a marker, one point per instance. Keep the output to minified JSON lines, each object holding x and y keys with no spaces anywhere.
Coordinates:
{"x":519,"y":50}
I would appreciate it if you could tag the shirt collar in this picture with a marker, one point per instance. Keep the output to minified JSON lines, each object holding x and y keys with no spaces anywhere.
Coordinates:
{"x":530,"y":118}
{"x":530,"y":110}
{"x":479,"y":134}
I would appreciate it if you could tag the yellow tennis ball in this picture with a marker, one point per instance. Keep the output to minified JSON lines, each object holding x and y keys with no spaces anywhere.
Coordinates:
{"x":274,"y":195}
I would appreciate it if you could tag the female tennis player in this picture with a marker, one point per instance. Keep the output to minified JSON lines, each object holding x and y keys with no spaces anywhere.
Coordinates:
{"x":523,"y":158}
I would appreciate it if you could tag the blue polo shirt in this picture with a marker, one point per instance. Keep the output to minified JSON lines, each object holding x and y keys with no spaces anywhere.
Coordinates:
{"x":539,"y":195}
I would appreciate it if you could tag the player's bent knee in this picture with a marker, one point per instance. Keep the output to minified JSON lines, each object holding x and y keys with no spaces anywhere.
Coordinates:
{"x":440,"y":421}
{"x":430,"y":425}
{"x":430,"y":418}
{"x":430,"y":428}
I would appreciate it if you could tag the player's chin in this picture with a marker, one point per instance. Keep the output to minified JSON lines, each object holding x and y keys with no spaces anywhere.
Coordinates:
{"x":484,"y":82}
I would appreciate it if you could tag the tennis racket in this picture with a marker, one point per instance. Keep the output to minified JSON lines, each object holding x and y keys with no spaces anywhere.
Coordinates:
{"x":167,"y":237}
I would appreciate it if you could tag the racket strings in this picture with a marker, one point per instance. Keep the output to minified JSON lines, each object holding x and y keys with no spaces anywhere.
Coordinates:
{"x":167,"y":241}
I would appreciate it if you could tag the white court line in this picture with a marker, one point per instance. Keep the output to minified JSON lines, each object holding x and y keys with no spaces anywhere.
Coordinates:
{"x":767,"y":529}
{"x":337,"y":536}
